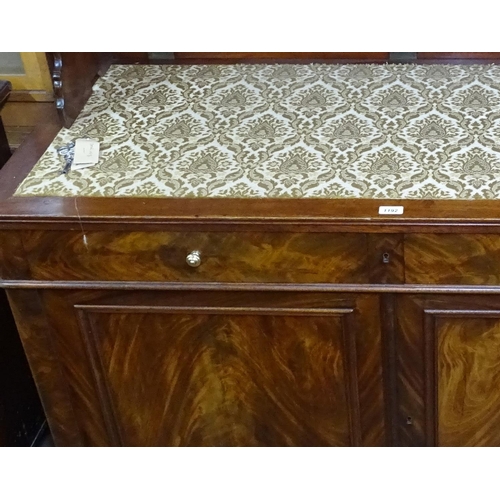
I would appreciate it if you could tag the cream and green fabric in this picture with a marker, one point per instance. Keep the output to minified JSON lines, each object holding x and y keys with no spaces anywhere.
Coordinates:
{"x":286,"y":131}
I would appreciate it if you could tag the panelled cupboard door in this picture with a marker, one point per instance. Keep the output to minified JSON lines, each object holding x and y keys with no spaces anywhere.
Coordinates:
{"x":449,"y":370}
{"x":220,"y":368}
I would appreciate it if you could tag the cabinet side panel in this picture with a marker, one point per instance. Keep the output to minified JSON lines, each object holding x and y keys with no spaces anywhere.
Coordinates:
{"x":36,"y":335}
{"x":69,"y":343}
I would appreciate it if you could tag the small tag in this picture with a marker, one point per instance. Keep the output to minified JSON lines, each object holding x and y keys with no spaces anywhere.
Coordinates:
{"x":86,"y":153}
{"x":390,"y":210}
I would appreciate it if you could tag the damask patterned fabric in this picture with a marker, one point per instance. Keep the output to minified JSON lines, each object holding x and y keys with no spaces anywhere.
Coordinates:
{"x":300,"y":131}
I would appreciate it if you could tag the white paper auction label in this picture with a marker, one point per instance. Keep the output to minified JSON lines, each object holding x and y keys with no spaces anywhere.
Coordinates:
{"x":390,"y":210}
{"x":86,"y":153}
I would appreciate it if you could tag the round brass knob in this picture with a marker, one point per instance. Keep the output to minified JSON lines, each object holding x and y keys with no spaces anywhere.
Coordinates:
{"x":194,"y":258}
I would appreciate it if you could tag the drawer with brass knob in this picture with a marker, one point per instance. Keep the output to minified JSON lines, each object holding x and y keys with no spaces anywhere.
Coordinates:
{"x":237,"y":257}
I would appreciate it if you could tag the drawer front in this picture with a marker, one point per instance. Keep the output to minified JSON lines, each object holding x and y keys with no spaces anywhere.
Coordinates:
{"x":461,"y":259}
{"x":225,"y":257}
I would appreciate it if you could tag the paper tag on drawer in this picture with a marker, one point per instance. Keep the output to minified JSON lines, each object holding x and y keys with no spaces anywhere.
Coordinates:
{"x":391,"y":210}
{"x":86,"y":153}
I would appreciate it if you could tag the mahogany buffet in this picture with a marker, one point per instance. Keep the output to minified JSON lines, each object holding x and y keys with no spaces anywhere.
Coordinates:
{"x":271,"y":254}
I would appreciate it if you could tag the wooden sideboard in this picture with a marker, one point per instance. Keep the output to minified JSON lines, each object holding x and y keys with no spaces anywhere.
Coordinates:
{"x":245,"y":322}
{"x":327,"y":331}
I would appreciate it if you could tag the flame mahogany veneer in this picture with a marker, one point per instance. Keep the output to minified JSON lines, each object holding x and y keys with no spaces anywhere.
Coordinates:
{"x":308,"y":322}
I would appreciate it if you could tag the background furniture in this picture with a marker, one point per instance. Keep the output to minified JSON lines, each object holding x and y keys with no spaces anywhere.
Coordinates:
{"x":5,"y":88}
{"x":32,"y":97}
{"x":22,"y":421}
{"x":299,"y":322}
{"x":21,"y":415}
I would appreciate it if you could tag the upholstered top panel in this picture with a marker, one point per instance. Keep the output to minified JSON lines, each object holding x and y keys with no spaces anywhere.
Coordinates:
{"x":312,"y":131}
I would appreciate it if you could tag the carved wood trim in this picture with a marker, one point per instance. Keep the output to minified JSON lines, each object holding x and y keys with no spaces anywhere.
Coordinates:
{"x":57,"y":83}
{"x":73,"y":74}
{"x":89,"y":337}
{"x":260,"y":311}
{"x":250,"y":286}
{"x":94,"y":357}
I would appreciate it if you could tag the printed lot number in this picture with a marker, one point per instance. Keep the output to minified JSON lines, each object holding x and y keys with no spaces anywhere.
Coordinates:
{"x":390,"y":210}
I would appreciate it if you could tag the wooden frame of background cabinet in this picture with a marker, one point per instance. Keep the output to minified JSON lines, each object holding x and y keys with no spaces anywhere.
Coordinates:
{"x":36,"y":81}
{"x":31,"y":100}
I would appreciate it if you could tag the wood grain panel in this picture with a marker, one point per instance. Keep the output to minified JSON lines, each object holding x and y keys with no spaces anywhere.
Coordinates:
{"x":46,"y":365}
{"x":232,"y":369}
{"x":462,"y":259}
{"x":468,"y":377}
{"x":366,"y":332}
{"x":231,"y":257}
{"x":71,"y":356}
{"x":13,"y":263}
{"x":225,"y":381}
{"x":411,"y":416}
{"x":449,"y":360}
{"x":386,"y":258}
{"x":389,"y":360}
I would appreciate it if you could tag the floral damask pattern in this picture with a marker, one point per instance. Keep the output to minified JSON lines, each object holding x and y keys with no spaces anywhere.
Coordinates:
{"x":309,"y":131}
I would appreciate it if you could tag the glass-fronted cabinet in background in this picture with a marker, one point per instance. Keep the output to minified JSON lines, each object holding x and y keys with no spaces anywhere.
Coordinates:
{"x":32,"y":98}
{"x":28,"y":72}
{"x":11,"y":63}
